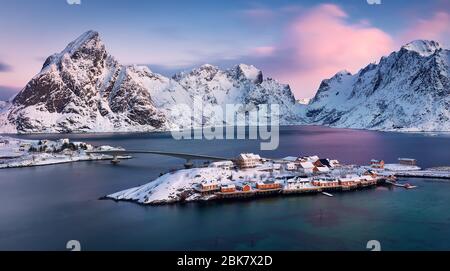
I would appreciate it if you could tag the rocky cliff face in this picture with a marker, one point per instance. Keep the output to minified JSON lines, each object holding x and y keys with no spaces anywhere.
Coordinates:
{"x":84,"y":89}
{"x":408,"y":91}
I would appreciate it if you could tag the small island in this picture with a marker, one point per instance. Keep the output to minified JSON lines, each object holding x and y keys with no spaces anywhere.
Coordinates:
{"x":28,"y":153}
{"x":250,"y":176}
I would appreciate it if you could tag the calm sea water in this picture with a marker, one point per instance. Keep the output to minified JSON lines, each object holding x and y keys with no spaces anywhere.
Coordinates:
{"x":42,"y":208}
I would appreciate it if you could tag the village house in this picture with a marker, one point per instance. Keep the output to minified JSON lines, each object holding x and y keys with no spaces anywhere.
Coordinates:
{"x":322,"y":163}
{"x":246,"y":188}
{"x":374,"y":163}
{"x":230,"y":188}
{"x":291,"y":166}
{"x":407,"y":161}
{"x":226,"y":165}
{"x":306,"y":167}
{"x":297,"y":183}
{"x":311,"y":159}
{"x":248,"y":160}
{"x":267,"y":185}
{"x":349,"y":181}
{"x":326,"y":183}
{"x":326,"y":163}
{"x":209,"y":187}
{"x":368,"y":180}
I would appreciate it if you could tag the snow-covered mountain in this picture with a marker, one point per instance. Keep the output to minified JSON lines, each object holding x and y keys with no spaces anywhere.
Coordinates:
{"x":85,"y":89}
{"x":409,"y":90}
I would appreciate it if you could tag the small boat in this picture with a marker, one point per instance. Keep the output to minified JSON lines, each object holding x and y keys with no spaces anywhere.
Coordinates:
{"x":327,"y":194}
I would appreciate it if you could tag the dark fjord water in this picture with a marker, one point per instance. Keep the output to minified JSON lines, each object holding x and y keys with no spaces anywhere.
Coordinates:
{"x":42,"y":208}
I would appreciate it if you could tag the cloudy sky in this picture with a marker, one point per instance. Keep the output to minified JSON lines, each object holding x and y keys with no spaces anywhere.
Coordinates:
{"x":296,"y":42}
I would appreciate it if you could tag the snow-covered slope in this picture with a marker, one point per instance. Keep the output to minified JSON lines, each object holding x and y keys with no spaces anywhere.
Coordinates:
{"x":3,"y":105}
{"x":408,"y":91}
{"x":84,"y":89}
{"x":242,"y":84}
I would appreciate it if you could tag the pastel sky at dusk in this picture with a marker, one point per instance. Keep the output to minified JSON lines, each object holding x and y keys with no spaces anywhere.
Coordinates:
{"x":295,"y":42}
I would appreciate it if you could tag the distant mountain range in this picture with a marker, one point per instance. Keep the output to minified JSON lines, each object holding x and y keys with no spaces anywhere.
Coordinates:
{"x":408,"y":90}
{"x":84,"y":89}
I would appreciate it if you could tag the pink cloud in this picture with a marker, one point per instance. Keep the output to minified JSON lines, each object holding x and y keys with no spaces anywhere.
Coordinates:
{"x":321,"y":42}
{"x":434,"y":28}
{"x":263,"y":51}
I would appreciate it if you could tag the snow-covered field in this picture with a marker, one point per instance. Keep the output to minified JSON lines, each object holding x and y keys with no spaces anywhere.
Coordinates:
{"x":27,"y":153}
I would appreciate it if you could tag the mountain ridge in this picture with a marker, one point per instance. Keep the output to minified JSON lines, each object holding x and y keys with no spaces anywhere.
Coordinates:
{"x":85,"y":89}
{"x":409,"y":90}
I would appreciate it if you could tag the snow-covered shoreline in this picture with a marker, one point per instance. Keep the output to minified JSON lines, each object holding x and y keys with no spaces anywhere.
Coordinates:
{"x":16,"y":153}
{"x":290,"y":175}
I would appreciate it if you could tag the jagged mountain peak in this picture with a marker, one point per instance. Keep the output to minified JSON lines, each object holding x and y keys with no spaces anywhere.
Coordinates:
{"x":249,"y":72}
{"x":339,"y":75}
{"x":208,"y":67}
{"x":206,"y":71}
{"x":87,"y":46}
{"x":423,"y":47}
{"x":89,"y":38}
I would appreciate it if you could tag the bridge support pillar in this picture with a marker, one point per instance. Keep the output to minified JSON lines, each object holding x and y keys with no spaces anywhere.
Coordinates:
{"x":115,"y":161}
{"x":188,"y":164}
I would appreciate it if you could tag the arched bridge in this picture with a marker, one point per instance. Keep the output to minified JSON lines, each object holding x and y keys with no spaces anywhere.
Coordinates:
{"x":186,"y":156}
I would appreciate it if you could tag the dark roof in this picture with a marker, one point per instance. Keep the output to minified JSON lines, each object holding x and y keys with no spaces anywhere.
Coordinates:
{"x":325,"y":162}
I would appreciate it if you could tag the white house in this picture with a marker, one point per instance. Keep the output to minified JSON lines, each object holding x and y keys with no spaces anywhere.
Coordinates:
{"x":306,"y":167}
{"x":227,"y":165}
{"x":248,"y":160}
{"x":298,"y":183}
{"x":291,"y":166}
